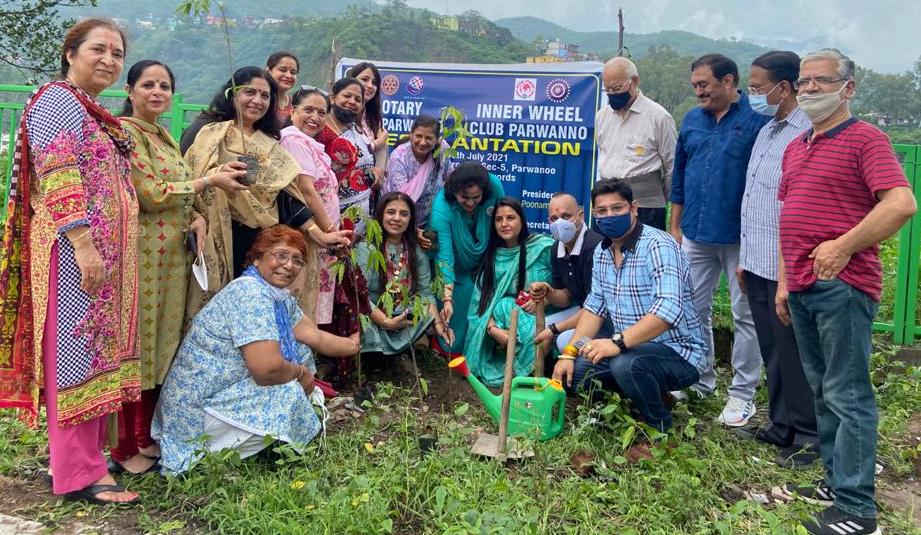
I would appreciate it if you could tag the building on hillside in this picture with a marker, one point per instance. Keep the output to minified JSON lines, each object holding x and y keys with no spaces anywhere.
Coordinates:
{"x":545,"y":58}
{"x":446,"y":22}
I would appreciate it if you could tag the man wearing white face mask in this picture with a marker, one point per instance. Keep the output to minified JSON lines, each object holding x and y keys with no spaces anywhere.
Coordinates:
{"x":571,"y":266}
{"x":843,"y":192}
{"x":792,"y":427}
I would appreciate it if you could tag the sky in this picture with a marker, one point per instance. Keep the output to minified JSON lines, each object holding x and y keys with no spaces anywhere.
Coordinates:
{"x":880,"y":34}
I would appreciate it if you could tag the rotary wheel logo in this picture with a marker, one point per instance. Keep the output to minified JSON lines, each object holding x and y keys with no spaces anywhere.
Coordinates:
{"x":558,"y":90}
{"x":415,"y":85}
{"x":390,"y":85}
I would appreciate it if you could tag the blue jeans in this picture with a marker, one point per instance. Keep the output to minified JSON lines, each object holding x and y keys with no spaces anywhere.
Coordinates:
{"x":833,"y":322}
{"x":644,"y":374}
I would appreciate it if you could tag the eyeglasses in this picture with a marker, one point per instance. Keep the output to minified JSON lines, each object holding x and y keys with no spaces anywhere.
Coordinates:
{"x":820,"y":80}
{"x":614,"y":209}
{"x":762,"y":90}
{"x":314,"y":88}
{"x":283,"y":258}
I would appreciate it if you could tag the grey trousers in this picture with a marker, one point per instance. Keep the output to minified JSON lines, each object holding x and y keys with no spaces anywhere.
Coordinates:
{"x":708,"y":262}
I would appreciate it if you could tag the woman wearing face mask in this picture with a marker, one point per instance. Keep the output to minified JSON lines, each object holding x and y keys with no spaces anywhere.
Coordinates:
{"x":405,"y":274}
{"x":283,"y":67}
{"x":352,"y":159}
{"x":239,"y":123}
{"x":462,"y":217}
{"x":415,"y":170}
{"x":514,"y":260}
{"x":371,"y":120}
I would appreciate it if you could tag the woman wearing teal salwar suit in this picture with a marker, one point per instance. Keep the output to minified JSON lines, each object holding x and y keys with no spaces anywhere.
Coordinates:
{"x":514,"y":259}
{"x":462,"y":218}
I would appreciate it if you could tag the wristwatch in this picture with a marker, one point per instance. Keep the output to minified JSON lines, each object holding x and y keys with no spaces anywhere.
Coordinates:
{"x":618,"y":339}
{"x":553,"y":329}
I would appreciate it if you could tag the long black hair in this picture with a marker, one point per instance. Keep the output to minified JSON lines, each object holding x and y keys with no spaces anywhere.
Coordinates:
{"x":486,"y":275}
{"x":135,"y":73}
{"x":425,"y":121}
{"x":409,"y":237}
{"x":372,"y":107}
{"x":222,"y":107}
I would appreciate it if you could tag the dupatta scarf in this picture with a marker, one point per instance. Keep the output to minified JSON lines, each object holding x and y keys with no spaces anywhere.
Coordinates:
{"x":218,"y":143}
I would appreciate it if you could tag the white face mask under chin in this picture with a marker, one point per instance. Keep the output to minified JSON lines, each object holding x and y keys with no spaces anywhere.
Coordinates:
{"x":820,"y":106}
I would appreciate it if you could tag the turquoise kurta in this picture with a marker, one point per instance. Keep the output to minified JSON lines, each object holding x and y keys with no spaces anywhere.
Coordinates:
{"x":485,"y":359}
{"x":210,"y":376}
{"x":462,"y":241}
{"x":376,"y":338}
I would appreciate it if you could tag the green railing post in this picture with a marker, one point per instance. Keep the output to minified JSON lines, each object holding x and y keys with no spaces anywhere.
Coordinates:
{"x":904,"y":265}
{"x":913,"y":258}
{"x":176,"y":117}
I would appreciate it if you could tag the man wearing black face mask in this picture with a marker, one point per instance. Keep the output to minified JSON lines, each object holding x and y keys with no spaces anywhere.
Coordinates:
{"x":641,"y":280}
{"x":636,"y":140}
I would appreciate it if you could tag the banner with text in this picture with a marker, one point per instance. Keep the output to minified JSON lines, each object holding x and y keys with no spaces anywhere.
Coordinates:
{"x":531,"y":124}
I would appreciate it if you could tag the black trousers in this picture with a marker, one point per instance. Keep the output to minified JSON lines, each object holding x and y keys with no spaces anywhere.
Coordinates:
{"x":654,"y":217}
{"x":791,"y":402}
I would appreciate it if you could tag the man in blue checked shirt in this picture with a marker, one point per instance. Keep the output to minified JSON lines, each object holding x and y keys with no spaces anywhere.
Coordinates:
{"x":707,"y":183}
{"x":641,"y":280}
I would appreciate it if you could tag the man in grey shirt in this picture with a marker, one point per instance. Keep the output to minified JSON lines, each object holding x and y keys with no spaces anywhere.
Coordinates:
{"x":636,"y":140}
{"x":792,"y":425}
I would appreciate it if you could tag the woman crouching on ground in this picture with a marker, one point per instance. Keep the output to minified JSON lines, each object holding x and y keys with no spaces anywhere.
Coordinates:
{"x":245,"y":371}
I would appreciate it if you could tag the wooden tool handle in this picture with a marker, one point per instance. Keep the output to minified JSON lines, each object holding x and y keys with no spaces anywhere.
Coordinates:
{"x":507,"y":383}
{"x":539,"y":348}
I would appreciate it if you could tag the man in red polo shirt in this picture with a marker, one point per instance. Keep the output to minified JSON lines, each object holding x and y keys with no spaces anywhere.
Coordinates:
{"x":843,"y":192}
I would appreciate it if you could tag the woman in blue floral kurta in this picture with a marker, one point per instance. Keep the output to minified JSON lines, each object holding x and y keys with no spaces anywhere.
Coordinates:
{"x":244,"y":372}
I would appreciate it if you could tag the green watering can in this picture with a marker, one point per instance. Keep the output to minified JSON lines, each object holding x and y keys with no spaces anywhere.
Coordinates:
{"x":537,"y":403}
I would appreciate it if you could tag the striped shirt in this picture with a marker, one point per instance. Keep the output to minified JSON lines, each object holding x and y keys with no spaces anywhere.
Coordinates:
{"x":654,"y":278}
{"x":829,"y":185}
{"x":760,"y":207}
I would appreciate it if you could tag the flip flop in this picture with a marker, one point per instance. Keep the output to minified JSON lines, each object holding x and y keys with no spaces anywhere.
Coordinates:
{"x":90,"y":494}
{"x":116,"y":468}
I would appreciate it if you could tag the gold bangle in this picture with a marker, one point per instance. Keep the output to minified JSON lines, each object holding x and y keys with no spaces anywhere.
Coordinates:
{"x":312,"y":226}
{"x":566,"y":357}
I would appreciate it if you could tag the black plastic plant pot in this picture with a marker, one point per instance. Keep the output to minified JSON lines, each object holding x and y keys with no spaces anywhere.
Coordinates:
{"x":427,"y":443}
{"x":252,"y":170}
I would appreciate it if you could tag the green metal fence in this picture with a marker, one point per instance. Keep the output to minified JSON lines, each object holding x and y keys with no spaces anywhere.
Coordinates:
{"x":176,"y":119}
{"x":902,"y":319}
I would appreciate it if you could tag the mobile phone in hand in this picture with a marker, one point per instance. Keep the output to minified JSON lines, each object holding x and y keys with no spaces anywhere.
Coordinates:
{"x":192,"y":242}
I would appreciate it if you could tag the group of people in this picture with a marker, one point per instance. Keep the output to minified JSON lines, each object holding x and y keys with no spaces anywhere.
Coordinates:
{"x":783,"y":192}
{"x":272,"y":189}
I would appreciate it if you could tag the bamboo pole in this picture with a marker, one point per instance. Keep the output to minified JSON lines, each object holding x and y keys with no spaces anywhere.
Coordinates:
{"x":507,"y":385}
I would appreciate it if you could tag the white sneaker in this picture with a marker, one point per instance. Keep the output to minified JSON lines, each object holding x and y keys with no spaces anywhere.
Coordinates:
{"x":737,"y":412}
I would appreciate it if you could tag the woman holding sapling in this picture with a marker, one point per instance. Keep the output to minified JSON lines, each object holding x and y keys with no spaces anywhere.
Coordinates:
{"x":400,"y":288}
{"x":308,"y":118}
{"x":462,"y":217}
{"x":239,"y":131}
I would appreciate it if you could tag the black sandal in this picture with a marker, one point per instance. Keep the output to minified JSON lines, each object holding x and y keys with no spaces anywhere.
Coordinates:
{"x":117,"y":468}
{"x":90,"y":494}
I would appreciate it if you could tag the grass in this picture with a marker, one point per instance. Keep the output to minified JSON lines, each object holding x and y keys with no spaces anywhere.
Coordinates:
{"x":370,"y":476}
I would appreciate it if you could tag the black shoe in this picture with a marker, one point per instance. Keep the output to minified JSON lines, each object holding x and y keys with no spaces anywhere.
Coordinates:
{"x":797,"y":457}
{"x":761,"y":434}
{"x":834,"y":521}
{"x":817,"y":494}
